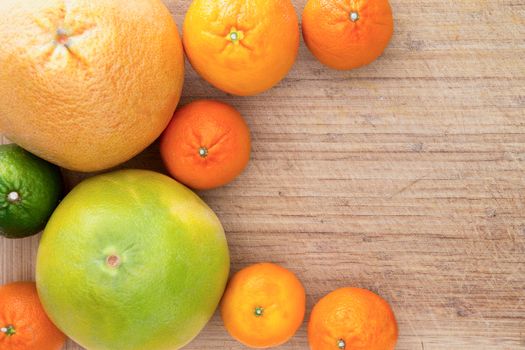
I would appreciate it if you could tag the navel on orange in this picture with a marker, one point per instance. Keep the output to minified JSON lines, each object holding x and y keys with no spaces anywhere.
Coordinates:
{"x":345,"y":34}
{"x":352,"y":319}
{"x":23,"y":322}
{"x":263,"y":306}
{"x":241,"y":47}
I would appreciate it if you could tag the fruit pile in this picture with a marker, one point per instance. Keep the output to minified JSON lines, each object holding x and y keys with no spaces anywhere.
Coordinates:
{"x":133,"y":259}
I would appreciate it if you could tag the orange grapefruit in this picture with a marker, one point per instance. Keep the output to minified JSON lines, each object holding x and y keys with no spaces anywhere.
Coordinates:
{"x":87,"y":84}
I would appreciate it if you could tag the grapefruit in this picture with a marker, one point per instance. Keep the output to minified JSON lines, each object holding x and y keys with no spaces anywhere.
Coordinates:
{"x":87,"y":84}
{"x":132,"y":260}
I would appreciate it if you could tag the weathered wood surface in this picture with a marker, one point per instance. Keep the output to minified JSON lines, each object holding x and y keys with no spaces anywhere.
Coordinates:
{"x":405,"y":177}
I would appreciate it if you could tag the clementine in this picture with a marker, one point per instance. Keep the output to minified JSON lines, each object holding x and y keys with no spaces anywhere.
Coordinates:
{"x":263,"y":306}
{"x":241,"y":47}
{"x":206,"y":145}
{"x":352,"y":319}
{"x":345,"y":34}
{"x":23,"y":322}
{"x":87,"y":84}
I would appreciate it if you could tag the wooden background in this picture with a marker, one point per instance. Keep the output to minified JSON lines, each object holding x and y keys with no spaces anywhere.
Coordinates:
{"x":405,"y":177}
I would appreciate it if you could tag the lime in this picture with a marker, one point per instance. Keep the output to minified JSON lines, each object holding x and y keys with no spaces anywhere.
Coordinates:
{"x":30,"y":189}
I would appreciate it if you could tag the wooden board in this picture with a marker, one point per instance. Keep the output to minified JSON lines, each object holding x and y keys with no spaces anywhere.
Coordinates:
{"x":405,"y":177}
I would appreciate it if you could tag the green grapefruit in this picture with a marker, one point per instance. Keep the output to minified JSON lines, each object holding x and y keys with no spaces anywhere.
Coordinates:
{"x":132,"y":260}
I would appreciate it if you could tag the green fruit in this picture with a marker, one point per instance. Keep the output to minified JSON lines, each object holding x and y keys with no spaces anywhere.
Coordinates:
{"x":132,"y":260}
{"x":30,"y":189}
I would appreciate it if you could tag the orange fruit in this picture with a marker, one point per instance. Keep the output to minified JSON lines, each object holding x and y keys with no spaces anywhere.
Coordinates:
{"x":346,"y":34}
{"x":352,"y":319}
{"x":241,"y":47}
{"x":263,"y":306}
{"x":87,"y":84}
{"x":206,"y":145}
{"x":23,"y":322}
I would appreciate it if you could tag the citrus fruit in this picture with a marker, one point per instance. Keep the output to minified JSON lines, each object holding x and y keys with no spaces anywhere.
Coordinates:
{"x":132,"y":260}
{"x":352,"y":319}
{"x":23,"y":322}
{"x":30,"y":189}
{"x":206,"y":145}
{"x":347,"y":34}
{"x":241,"y":47}
{"x":87,"y":84}
{"x":263,"y":306}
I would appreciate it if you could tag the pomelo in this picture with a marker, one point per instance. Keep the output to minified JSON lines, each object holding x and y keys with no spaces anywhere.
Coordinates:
{"x":87,"y":84}
{"x":132,"y":260}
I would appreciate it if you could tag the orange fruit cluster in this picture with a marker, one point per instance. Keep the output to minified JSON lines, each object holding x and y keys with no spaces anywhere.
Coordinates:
{"x":264,"y":306}
{"x":245,"y":48}
{"x":241,"y":47}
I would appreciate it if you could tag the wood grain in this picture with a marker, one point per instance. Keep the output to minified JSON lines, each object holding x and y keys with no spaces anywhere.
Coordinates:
{"x":405,"y":177}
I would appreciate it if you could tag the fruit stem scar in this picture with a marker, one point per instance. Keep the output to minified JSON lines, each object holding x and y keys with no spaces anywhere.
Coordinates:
{"x":8,"y":330}
{"x":341,"y":344}
{"x":203,"y":152}
{"x":62,"y":37}
{"x":113,"y":261}
{"x":354,"y":16}
{"x":259,"y":311}
{"x":13,"y":197}
{"x":235,"y":35}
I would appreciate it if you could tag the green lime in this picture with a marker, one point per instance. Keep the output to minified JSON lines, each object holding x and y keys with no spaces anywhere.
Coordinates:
{"x":30,"y":189}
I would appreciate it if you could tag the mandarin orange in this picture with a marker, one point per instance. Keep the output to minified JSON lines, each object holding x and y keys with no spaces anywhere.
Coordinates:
{"x":347,"y":34}
{"x":263,"y":306}
{"x":241,"y":47}
{"x":352,"y":319}
{"x":206,"y":145}
{"x":23,"y":323}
